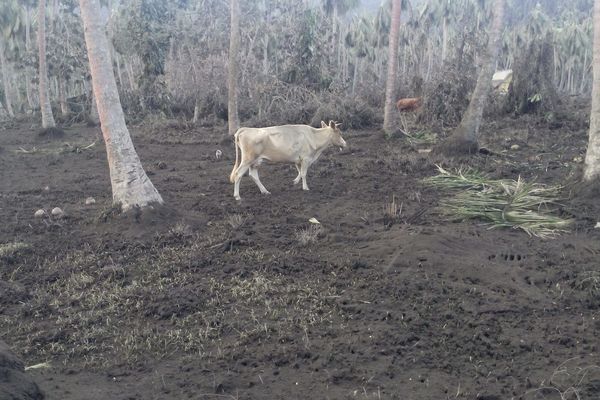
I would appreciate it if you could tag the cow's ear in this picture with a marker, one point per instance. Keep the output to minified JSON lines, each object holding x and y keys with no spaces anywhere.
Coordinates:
{"x":332,"y":124}
{"x":323,"y":124}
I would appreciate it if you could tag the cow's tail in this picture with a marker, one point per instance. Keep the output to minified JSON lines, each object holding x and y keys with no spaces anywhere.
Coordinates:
{"x":235,"y":167}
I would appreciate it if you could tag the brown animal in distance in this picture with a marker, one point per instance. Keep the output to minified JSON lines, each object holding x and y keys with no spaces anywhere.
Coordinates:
{"x":409,"y":104}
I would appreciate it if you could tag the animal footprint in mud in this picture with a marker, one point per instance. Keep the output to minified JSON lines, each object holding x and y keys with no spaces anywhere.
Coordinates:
{"x":506,"y":257}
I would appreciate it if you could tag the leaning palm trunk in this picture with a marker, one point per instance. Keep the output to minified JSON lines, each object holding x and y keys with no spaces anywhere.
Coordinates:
{"x":591,"y":169}
{"x":5,"y":81}
{"x":234,"y":45}
{"x":464,"y":139}
{"x":390,"y":87}
{"x":131,"y":187}
{"x":47,"y":117}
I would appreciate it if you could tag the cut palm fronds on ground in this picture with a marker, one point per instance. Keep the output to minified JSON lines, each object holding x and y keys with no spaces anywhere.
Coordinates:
{"x":501,"y":202}
{"x":421,"y":137}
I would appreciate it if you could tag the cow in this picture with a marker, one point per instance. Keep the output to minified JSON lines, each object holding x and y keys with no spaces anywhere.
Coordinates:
{"x":409,"y":104}
{"x":298,"y":144}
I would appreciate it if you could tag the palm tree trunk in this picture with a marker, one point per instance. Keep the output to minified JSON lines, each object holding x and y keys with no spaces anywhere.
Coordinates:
{"x":591,"y":170}
{"x":62,"y":98}
{"x":46,"y":108}
{"x":131,"y":187}
{"x":265,"y":66}
{"x":355,"y":78}
{"x":5,"y":81}
{"x":583,"y":72}
{"x":444,"y":39}
{"x":464,"y":139}
{"x":196,"y":111}
{"x":94,"y":115}
{"x":119,"y":73}
{"x":234,"y":45}
{"x":28,"y":86}
{"x":390,"y":87}
{"x":130,"y":75}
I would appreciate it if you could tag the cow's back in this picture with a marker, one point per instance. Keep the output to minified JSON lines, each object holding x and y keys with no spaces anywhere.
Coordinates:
{"x":276,"y":143}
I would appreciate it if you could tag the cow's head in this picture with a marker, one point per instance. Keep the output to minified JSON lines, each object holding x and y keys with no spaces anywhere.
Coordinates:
{"x":336,"y":133}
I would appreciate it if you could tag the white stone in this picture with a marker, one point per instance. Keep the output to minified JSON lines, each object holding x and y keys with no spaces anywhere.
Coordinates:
{"x":57,"y":212}
{"x":89,"y":201}
{"x":515,"y":147}
{"x":39,"y":213}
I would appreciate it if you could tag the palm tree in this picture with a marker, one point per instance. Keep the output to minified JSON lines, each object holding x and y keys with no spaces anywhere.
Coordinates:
{"x":131,"y":187}
{"x":9,"y":24}
{"x":234,"y":46}
{"x":47,"y":117}
{"x":359,"y":40}
{"x":27,"y":20}
{"x":591,"y":170}
{"x":464,"y":139}
{"x":337,"y":9}
{"x":5,"y":80}
{"x":390,"y":87}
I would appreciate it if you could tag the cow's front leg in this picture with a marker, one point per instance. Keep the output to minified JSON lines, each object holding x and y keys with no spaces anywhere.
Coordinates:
{"x":253,"y":172}
{"x":297,"y":179}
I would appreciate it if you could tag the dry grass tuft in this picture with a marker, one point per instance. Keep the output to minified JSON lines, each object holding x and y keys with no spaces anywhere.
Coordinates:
{"x":235,"y":221}
{"x":391,"y":211}
{"x":308,"y":236}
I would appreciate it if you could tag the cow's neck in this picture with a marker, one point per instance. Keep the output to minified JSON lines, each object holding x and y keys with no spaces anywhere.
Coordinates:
{"x":322,"y":139}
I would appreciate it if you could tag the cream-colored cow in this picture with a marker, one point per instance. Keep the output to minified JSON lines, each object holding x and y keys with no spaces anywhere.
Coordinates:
{"x":298,"y":144}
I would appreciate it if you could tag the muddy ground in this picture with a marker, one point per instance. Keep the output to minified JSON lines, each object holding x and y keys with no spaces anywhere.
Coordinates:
{"x":218,"y":299}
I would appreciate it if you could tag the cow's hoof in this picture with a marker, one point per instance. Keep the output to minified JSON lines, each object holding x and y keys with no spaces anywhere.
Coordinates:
{"x":305,"y":189}
{"x":237,"y":198}
{"x":296,"y":181}
{"x":267,"y":192}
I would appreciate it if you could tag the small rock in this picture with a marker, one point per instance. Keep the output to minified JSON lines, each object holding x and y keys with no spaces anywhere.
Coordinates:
{"x":161,"y":165}
{"x":597,"y":226}
{"x":218,"y":154}
{"x":89,"y":201}
{"x":39,"y":213}
{"x":47,"y":189}
{"x":515,"y":147}
{"x":57,"y":212}
{"x":578,"y":159}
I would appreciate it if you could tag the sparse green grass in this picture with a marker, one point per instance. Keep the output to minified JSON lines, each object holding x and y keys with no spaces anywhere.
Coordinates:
{"x":101,"y":318}
{"x":590,"y":282}
{"x":10,"y":249}
{"x":422,"y":138}
{"x":502,"y":203}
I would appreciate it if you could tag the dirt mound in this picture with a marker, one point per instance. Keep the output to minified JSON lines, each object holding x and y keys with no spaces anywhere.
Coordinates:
{"x":14,"y":383}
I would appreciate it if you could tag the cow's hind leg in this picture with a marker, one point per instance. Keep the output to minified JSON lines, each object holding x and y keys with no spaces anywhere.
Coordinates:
{"x":253,"y":172}
{"x":297,"y":179}
{"x":244,"y":166}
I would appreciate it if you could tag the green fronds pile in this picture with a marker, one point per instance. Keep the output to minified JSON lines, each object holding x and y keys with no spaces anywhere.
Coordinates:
{"x":500,"y":202}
